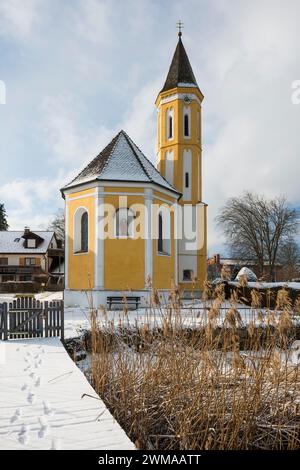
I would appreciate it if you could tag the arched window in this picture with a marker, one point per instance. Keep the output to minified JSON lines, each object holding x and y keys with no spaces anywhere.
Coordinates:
{"x":187,"y":121}
{"x":160,"y":244}
{"x":81,"y":231}
{"x":84,"y":232}
{"x":169,"y":123}
{"x":187,"y":175}
{"x":164,"y":231}
{"x":186,"y":126}
{"x":124,"y":223}
{"x":170,"y":135}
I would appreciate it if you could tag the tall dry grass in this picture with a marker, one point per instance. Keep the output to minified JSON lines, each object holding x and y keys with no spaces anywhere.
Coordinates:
{"x":220,"y":385}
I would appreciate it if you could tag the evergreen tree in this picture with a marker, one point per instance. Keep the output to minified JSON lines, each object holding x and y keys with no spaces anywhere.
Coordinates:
{"x":3,"y":222}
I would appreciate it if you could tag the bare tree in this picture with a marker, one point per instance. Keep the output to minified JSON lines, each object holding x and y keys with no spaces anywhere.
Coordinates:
{"x":58,"y":224}
{"x":257,"y":228}
{"x":289,"y":257}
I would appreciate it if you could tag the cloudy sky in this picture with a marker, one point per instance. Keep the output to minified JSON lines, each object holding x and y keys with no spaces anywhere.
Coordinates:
{"x":77,"y":71}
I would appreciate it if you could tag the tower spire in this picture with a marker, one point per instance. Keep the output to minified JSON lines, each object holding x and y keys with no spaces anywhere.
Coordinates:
{"x":180,"y":71}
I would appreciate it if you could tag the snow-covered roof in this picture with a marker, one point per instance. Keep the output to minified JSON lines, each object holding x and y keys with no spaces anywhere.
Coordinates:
{"x":248,"y":273}
{"x":11,"y":241}
{"x":121,"y":160}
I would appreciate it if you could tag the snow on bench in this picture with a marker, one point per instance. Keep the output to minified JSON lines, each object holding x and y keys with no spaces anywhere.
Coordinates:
{"x":41,"y":404}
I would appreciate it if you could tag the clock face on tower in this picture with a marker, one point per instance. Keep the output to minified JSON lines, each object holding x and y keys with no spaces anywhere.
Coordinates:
{"x":187,"y":99}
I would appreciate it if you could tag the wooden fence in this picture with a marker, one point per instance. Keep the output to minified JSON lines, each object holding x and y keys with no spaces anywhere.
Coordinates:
{"x":30,"y":318}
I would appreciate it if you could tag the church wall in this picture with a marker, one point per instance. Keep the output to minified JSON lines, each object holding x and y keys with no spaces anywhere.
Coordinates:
{"x":191,"y":147}
{"x":121,"y":189}
{"x":202,"y":253}
{"x":163,"y":265}
{"x":81,"y":265}
{"x":124,"y":259}
{"x":178,"y":144}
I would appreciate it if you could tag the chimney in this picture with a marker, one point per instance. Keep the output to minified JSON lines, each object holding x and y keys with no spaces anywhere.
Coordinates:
{"x":217,"y":260}
{"x":26,"y":230}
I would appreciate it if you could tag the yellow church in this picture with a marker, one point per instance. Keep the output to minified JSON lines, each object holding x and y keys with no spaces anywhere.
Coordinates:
{"x":131,"y":225}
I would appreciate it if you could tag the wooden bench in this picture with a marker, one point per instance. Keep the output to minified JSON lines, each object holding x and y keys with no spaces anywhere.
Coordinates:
{"x":123,"y":301}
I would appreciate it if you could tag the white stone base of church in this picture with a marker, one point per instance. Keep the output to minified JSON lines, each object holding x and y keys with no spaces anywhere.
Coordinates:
{"x":95,"y":298}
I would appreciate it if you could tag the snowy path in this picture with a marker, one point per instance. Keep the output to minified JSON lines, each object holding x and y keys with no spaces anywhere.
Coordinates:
{"x":41,"y":405}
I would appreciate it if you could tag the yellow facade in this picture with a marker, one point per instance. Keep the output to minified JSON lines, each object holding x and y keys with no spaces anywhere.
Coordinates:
{"x":163,"y":264}
{"x":174,"y":100}
{"x":81,"y":265}
{"x":124,"y":259}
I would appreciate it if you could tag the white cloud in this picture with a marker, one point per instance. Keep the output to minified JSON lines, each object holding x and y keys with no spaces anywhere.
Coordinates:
{"x":140,"y":119}
{"x":101,"y":64}
{"x":71,"y":145}
{"x":18,"y":17}
{"x":252,"y":137}
{"x":92,"y":20}
{"x":27,"y":200}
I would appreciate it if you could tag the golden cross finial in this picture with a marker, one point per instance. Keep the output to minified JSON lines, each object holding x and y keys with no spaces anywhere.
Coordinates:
{"x":180,"y":28}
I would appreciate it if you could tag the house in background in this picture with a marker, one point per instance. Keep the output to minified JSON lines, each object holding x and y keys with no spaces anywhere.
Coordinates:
{"x":217,"y":263}
{"x":35,"y":256}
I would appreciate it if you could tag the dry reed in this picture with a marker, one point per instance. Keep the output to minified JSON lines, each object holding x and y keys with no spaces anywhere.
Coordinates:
{"x":174,"y":386}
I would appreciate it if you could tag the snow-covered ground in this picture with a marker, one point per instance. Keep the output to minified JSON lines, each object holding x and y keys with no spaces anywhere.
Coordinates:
{"x":193,"y":314}
{"x":41,"y":404}
{"x":270,"y":285}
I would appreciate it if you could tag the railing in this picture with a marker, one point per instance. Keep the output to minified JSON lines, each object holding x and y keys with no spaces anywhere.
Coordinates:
{"x":16,"y":269}
{"x":56,"y":252}
{"x":30,"y":318}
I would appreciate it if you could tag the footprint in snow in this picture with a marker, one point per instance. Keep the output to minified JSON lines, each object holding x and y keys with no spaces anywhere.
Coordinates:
{"x":24,"y":434}
{"x":31,"y":398}
{"x":44,"y":430}
{"x":33,"y":375}
{"x":47,"y":409}
{"x":24,"y":387}
{"x":16,"y":416}
{"x":38,"y":382}
{"x":27,"y":368}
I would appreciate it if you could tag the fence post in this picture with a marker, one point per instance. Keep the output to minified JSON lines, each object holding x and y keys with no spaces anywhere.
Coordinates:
{"x":62,"y":320}
{"x":46,"y":313}
{"x":5,"y":321}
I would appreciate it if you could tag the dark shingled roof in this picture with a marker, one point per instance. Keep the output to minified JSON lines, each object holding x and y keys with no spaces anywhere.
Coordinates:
{"x":121,"y":160}
{"x":180,"y":71}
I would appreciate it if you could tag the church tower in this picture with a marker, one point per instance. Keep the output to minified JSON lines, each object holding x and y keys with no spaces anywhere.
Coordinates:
{"x":179,"y":160}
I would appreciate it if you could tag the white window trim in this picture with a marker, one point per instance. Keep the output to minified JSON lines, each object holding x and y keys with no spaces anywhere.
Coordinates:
{"x":163,"y":253}
{"x":81,"y":253}
{"x":169,"y":113}
{"x":124,"y":237}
